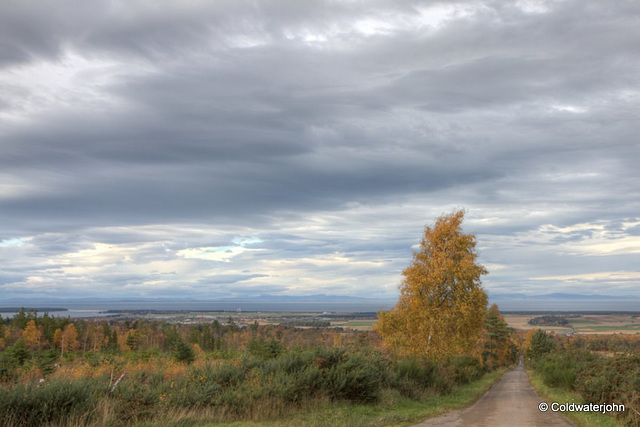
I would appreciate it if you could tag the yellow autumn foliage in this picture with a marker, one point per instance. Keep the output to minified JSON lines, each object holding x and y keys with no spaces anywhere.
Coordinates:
{"x":32,"y":335}
{"x":442,"y":305}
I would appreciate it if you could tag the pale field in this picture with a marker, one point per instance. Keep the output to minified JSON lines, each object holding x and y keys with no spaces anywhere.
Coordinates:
{"x":358,"y":325}
{"x":585,"y":324}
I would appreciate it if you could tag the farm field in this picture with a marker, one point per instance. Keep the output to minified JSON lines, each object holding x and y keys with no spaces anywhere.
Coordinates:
{"x":581,"y":323}
{"x":362,"y":321}
{"x":585,"y":323}
{"x":358,"y":325}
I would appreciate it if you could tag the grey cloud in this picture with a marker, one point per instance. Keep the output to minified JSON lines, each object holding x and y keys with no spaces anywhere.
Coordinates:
{"x":223,"y":115}
{"x":227,"y":279}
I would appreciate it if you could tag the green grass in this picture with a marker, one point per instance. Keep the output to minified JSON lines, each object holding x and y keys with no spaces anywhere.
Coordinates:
{"x":392,"y":410}
{"x":359,"y":323}
{"x":582,"y":419}
{"x":582,"y":322}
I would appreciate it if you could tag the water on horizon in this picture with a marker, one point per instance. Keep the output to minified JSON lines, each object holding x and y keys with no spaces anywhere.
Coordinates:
{"x":98,"y":309}
{"x":94,"y":309}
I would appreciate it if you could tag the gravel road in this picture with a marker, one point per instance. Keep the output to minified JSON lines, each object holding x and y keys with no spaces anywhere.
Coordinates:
{"x":511,"y":402}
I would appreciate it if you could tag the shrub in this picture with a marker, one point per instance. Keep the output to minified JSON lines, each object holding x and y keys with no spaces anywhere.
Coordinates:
{"x":264,"y":349}
{"x":135,"y":400}
{"x":561,"y":369}
{"x":93,"y":359}
{"x":46,"y":361}
{"x":290,"y":362}
{"x":144,"y":355}
{"x":411,"y":377}
{"x":227,"y":375}
{"x":18,"y":353}
{"x":194,"y":394}
{"x":298,"y":375}
{"x":55,"y":403}
{"x":328,"y":357}
{"x":607,"y":380}
{"x":597,"y":379}
{"x":183,"y":352}
{"x":8,"y":366}
{"x":357,"y":379}
{"x":540,"y":344}
{"x":465,"y":369}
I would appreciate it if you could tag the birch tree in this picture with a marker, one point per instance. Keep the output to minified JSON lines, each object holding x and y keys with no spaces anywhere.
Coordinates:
{"x":442,"y":304}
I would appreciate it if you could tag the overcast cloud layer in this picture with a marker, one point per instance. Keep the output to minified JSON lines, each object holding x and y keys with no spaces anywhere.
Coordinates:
{"x":200,"y":149}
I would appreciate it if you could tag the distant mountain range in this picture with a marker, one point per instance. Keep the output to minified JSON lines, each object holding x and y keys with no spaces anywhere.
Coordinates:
{"x":259,"y":298}
{"x":561,"y":296}
{"x":502,"y":299}
{"x":283,"y":298}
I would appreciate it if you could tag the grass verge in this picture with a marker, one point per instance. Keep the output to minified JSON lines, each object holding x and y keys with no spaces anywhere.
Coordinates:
{"x":582,"y":419}
{"x":392,"y":410}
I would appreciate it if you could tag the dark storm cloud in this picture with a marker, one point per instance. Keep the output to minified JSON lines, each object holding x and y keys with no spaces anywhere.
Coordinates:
{"x":306,"y":123}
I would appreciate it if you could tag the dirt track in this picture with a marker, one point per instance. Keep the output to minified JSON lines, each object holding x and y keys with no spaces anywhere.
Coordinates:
{"x":510,"y":402}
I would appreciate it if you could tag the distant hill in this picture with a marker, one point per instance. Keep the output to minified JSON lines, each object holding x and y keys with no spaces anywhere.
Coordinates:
{"x":561,"y":296}
{"x":562,"y":301}
{"x":288,"y":298}
{"x":253,"y":298}
{"x":40,"y":309}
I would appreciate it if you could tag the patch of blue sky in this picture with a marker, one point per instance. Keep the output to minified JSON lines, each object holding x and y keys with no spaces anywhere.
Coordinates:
{"x":244,"y":240}
{"x":17,"y":241}
{"x":212,"y":253}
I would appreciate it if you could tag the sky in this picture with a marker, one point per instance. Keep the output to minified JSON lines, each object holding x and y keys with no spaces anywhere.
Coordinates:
{"x":202,"y":150}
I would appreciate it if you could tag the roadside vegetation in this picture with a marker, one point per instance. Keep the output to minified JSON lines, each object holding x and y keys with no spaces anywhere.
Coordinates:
{"x":594,"y":369}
